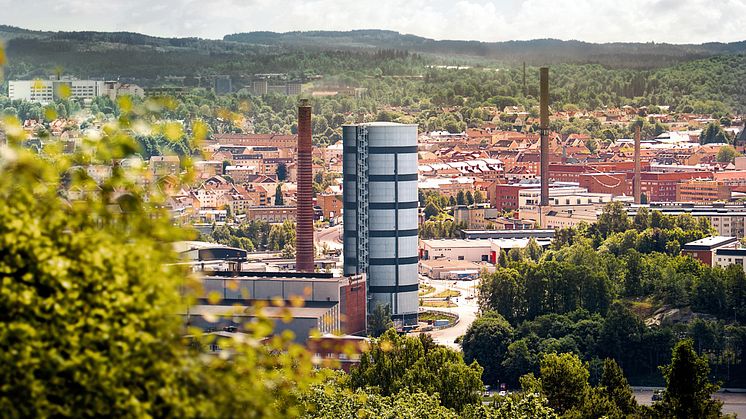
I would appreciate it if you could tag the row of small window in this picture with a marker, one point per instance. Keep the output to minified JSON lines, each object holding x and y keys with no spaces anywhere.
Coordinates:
{"x":737,"y":261}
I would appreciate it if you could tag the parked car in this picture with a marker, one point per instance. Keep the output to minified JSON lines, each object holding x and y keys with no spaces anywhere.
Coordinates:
{"x":657,"y":395}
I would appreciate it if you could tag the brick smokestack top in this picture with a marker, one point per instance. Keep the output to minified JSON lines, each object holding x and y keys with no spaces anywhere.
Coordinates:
{"x":304,"y":232}
{"x":544,"y":130}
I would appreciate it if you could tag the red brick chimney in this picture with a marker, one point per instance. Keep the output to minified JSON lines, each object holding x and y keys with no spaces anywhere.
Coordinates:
{"x":304,"y":252}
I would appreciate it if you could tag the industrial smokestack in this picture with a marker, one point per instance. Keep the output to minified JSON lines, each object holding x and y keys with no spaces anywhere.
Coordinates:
{"x":304,"y":252}
{"x":544,"y":132}
{"x":637,"y":181}
{"x":525,"y":88}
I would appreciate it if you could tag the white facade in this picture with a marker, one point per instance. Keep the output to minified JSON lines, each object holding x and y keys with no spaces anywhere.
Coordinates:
{"x":726,"y":257}
{"x":563,"y":196}
{"x":729,"y":225}
{"x":45,"y":91}
{"x":456,"y":249}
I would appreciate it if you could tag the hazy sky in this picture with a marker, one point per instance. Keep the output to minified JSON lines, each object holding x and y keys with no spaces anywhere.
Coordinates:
{"x":675,"y":21}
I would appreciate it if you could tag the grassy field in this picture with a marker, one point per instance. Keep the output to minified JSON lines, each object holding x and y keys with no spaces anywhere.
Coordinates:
{"x":438,"y":304}
{"x":447,"y":293}
{"x":426,"y":289}
{"x":430,"y":316}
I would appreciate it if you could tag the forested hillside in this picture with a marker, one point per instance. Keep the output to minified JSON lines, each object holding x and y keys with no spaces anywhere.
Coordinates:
{"x":378,"y":60}
{"x":534,"y":52}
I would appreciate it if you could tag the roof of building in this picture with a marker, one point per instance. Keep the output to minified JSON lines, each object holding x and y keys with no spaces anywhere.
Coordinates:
{"x":709,"y":243}
{"x":248,"y":311}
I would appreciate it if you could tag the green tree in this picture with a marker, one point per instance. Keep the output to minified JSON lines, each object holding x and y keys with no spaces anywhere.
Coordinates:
{"x":396,"y":363}
{"x":331,"y":401}
{"x":503,"y":291}
{"x":469,"y":198}
{"x":278,"y":196}
{"x":525,"y":405}
{"x":533,"y":250}
{"x":614,"y":386}
{"x":688,"y":388}
{"x":282,"y":172}
{"x":461,"y":198}
{"x":478,"y":197}
{"x":380,"y":320}
{"x":502,"y":259}
{"x":486,"y":341}
{"x":564,"y":381}
{"x":90,"y":292}
{"x":727,"y":154}
{"x":613,"y":219}
{"x":713,"y":133}
{"x":431,"y":210}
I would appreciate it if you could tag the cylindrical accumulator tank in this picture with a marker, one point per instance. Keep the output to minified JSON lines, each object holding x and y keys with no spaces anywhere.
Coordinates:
{"x":380,"y":213}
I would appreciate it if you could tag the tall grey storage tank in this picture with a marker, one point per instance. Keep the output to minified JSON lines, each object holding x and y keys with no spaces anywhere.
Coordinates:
{"x":380,"y":213}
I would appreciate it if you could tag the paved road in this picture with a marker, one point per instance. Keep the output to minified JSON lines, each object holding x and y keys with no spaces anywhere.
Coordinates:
{"x":733,"y":402}
{"x":332,"y":236}
{"x":466,"y":310}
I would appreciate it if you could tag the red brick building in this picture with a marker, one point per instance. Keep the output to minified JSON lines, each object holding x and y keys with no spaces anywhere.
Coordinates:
{"x":353,"y":305}
{"x":504,"y":197}
{"x":661,"y":187}
{"x":572,"y":172}
{"x":330,"y":204}
{"x":702,"y":191}
{"x":613,"y":183}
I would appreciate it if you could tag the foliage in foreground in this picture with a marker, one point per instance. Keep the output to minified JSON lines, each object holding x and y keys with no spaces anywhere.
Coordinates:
{"x":397,"y":363}
{"x":333,"y":399}
{"x":88,"y":298}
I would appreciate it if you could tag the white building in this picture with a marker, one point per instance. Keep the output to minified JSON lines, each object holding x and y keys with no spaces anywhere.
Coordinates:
{"x":559,"y":196}
{"x":114,"y":89}
{"x":45,"y":91}
{"x":472,"y":250}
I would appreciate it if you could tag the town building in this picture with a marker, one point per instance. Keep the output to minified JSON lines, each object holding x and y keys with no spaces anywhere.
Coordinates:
{"x":702,"y":191}
{"x":704,"y":249}
{"x":164,"y":165}
{"x":478,"y":217}
{"x":727,"y":220}
{"x":271,"y":214}
{"x":45,"y":91}
{"x":314,"y":302}
{"x":330,"y":205}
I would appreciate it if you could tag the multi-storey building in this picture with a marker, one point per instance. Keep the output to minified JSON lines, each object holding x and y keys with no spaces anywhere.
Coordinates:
{"x":661,"y":186}
{"x":45,"y":91}
{"x":164,"y":165}
{"x":380,"y":213}
{"x":504,"y":197}
{"x":727,"y":220}
{"x":561,"y":196}
{"x":705,"y":249}
{"x":257,"y":140}
{"x":702,"y":190}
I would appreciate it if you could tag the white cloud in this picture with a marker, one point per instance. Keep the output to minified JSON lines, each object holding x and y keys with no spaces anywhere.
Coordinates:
{"x":675,"y":21}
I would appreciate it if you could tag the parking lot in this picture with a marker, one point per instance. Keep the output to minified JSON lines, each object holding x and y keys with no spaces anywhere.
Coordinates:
{"x":733,"y":402}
